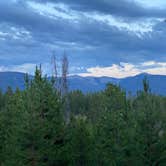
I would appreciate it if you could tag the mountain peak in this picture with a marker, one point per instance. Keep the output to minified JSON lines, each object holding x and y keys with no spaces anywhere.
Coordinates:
{"x":92,"y":84}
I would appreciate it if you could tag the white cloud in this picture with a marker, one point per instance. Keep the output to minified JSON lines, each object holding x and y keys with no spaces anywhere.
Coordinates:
{"x":148,"y":63}
{"x":62,"y":11}
{"x":139,"y":27}
{"x":127,"y":69}
{"x":15,"y":33}
{"x":54,"y":10}
{"x":27,"y":68}
{"x":3,"y":35}
{"x":152,"y":3}
{"x":121,"y":70}
{"x":153,"y":63}
{"x":69,"y":46}
{"x":156,"y":71}
{"x":117,"y":71}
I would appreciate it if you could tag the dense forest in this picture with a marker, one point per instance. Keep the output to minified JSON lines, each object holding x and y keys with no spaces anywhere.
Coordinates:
{"x":41,"y":126}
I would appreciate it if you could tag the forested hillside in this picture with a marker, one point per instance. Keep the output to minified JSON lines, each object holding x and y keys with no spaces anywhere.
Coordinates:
{"x":41,"y":126}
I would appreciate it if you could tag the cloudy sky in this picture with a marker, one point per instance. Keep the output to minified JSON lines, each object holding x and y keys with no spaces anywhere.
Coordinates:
{"x":116,"y":38}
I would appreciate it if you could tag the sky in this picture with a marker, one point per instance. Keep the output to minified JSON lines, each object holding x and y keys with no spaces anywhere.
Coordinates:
{"x":114,"y":38}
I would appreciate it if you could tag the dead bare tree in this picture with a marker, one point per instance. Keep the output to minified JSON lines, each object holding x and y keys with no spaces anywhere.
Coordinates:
{"x":55,"y":72}
{"x":53,"y":61}
{"x":61,"y":83}
{"x":64,"y":87}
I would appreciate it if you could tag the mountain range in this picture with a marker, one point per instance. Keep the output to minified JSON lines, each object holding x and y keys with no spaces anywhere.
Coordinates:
{"x":92,"y":84}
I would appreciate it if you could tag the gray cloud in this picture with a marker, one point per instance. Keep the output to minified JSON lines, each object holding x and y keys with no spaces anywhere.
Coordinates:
{"x":124,"y":8}
{"x":88,"y":41}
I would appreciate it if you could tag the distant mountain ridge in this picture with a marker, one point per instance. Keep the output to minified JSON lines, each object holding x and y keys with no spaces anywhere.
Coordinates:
{"x":92,"y":84}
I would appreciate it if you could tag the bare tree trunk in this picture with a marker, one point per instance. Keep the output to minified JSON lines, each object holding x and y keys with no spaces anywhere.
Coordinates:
{"x":64,"y":87}
{"x":55,"y":72}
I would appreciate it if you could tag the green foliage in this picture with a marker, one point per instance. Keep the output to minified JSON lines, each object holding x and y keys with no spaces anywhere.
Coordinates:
{"x":106,"y":128}
{"x":79,"y":144}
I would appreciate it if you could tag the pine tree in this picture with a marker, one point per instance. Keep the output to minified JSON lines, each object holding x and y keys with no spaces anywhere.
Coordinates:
{"x":79,"y":143}
{"x":149,"y":127}
{"x":43,"y":123}
{"x":11,"y":121}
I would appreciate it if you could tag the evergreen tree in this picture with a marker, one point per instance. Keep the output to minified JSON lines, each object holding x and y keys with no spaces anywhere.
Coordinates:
{"x":80,"y":138}
{"x":150,"y":126}
{"x":43,"y":123}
